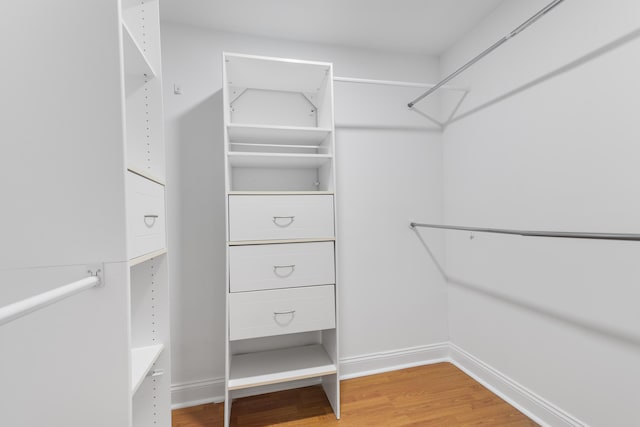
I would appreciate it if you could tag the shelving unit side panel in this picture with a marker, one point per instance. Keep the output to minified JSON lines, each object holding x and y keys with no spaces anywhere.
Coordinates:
{"x":142,"y":18}
{"x":149,"y":303}
{"x":144,"y":125}
{"x":325,"y":101}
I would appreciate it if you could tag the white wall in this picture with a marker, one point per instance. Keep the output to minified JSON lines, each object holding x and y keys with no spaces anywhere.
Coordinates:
{"x":392,"y":302}
{"x":560,"y":317}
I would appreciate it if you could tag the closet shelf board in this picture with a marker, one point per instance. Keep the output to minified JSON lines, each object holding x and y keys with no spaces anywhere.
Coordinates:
{"x":142,"y":359}
{"x":274,"y":242}
{"x":283,"y":135}
{"x":279,"y":193}
{"x":135,"y":60}
{"x":276,"y":366}
{"x":146,"y":174}
{"x":146,"y":257}
{"x":275,"y":74}
{"x":278,"y":160}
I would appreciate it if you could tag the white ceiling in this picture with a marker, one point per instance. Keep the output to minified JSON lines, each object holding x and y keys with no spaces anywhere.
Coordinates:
{"x":416,"y":26}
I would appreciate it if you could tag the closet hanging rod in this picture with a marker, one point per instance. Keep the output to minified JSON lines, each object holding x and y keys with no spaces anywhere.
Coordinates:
{"x":487,"y":51}
{"x":29,"y":305}
{"x":395,"y":83}
{"x":528,"y":233}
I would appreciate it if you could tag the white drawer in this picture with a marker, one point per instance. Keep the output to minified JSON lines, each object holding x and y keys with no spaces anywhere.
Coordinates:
{"x":261,"y":267}
{"x":145,"y":215}
{"x":275,"y":217}
{"x":281,"y":311}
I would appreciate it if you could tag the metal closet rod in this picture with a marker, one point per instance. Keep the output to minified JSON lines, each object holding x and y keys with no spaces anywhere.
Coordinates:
{"x":561,"y":234}
{"x":487,"y":51}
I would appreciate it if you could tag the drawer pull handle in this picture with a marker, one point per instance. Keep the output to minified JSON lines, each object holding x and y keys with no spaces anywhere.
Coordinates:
{"x":287,"y":321}
{"x":282,"y":224}
{"x":276,"y":269}
{"x":150,"y":220}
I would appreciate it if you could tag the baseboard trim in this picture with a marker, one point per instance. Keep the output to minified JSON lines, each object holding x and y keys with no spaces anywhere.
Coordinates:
{"x":526,"y":401}
{"x":193,"y":393}
{"x":386,"y":361}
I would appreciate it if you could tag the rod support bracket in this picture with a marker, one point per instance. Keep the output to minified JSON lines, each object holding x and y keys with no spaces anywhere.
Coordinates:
{"x":96,"y":270}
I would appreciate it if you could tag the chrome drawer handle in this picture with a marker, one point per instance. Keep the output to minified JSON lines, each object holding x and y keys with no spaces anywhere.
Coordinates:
{"x":150,"y":220}
{"x":276,"y":269}
{"x":287,"y":320}
{"x":290,"y":218}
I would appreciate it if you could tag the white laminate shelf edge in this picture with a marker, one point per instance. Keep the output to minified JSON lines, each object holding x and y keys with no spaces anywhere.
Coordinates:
{"x":146,"y":175}
{"x":272,"y":242}
{"x":282,"y":135}
{"x":135,"y":60}
{"x":146,"y":257}
{"x":277,"y":366}
{"x":142,"y":359}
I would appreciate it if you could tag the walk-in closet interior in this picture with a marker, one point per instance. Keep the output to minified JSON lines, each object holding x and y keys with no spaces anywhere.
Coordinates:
{"x":208,"y":201}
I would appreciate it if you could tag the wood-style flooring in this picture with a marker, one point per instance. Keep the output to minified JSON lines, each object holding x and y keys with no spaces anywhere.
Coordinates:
{"x":432,"y":395}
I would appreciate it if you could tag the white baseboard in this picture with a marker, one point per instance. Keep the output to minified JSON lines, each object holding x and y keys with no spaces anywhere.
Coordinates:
{"x":376,"y":363}
{"x":535,"y":407}
{"x":192,"y":393}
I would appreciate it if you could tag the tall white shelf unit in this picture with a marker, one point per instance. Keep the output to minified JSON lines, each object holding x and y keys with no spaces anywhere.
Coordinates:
{"x":146,"y":222}
{"x":84,"y":168}
{"x":282,"y":317}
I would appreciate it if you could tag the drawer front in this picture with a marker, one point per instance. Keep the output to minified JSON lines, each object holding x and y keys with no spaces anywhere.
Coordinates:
{"x":272,"y":217}
{"x":281,"y":311}
{"x":145,"y":215}
{"x":261,"y":267}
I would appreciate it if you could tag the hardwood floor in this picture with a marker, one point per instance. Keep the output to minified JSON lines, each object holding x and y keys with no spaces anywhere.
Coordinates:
{"x":432,"y":395}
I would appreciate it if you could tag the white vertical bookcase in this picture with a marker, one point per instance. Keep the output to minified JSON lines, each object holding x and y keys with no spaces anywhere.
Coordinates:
{"x":146,"y":222}
{"x":282,"y":319}
{"x":82,"y":173}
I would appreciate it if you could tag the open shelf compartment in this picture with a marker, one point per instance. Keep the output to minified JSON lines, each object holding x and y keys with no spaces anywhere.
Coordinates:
{"x":142,"y":359}
{"x":277,"y":366}
{"x":279,"y":135}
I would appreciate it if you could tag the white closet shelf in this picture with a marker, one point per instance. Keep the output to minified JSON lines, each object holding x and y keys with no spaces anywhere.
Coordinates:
{"x":273,"y":242}
{"x":134,"y":57}
{"x":145,"y":174}
{"x":290,"y":75}
{"x":279,"y":193}
{"x":282,"y":135}
{"x":242,"y":159}
{"x":146,"y":257}
{"x":142,"y":359}
{"x":277,"y":366}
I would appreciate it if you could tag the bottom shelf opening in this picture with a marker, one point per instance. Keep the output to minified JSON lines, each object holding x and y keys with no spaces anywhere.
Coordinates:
{"x":277,"y":366}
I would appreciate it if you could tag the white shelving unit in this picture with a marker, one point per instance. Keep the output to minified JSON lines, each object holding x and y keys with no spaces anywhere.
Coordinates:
{"x":280,"y":185}
{"x":145,"y":160}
